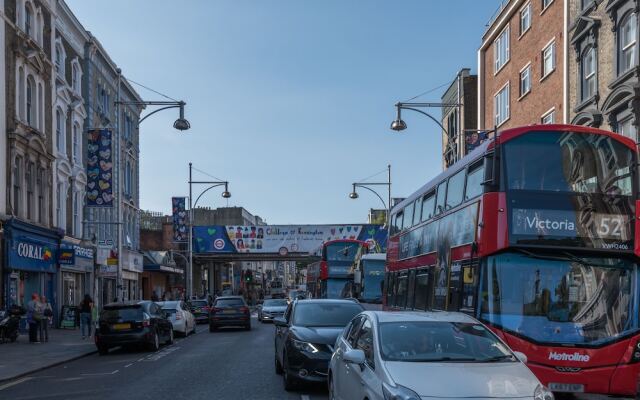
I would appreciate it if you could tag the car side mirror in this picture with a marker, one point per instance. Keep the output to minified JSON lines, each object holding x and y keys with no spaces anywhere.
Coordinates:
{"x":280,"y":321}
{"x":521,"y":356}
{"x":355,"y":356}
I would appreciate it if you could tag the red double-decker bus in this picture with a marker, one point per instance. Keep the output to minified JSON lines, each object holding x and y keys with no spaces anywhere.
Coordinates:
{"x":533,"y":233}
{"x":331,"y":276}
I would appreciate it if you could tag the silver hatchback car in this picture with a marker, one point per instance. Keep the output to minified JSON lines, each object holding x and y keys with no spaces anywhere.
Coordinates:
{"x":427,"y":355}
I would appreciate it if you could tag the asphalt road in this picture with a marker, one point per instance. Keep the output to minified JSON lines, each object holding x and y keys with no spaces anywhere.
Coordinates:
{"x":227,"y":364}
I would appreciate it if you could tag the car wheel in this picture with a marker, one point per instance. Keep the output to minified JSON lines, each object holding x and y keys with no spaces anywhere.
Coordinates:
{"x":193,"y":328}
{"x":170,"y":340}
{"x":289,"y":381}
{"x":103,"y":350}
{"x":278,"y":366}
{"x":332,"y":393}
{"x":155,"y":342}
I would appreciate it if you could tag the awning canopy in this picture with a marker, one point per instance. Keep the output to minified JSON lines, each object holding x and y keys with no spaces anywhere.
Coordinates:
{"x":160,"y":261}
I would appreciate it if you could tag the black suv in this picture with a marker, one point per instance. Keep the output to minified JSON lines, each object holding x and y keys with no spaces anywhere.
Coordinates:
{"x":229,"y":311}
{"x":305,"y":337}
{"x":142,"y":322}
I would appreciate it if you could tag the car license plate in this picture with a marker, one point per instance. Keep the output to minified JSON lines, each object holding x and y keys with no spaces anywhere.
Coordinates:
{"x":120,"y":327}
{"x":566,"y":387}
{"x":229,"y":311}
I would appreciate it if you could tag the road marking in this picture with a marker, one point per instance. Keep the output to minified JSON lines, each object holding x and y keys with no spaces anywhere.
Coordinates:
{"x":128,"y":365}
{"x":19,"y":381}
{"x":102,"y":373}
{"x":304,"y":397}
{"x":162,"y":353}
{"x":77,"y":378}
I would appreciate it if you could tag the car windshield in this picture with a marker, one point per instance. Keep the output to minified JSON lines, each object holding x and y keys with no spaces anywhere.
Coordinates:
{"x":170,"y":310}
{"x":275,"y":303}
{"x":325,"y":314}
{"x":334,"y":288}
{"x":229,"y":303}
{"x":199,"y":303}
{"x":573,"y":301}
{"x":431,"y":341}
{"x":125,"y":314}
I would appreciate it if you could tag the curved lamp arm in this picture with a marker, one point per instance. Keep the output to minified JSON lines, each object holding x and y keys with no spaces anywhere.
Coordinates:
{"x":424,"y":113}
{"x":372,"y":191}
{"x":206,"y":190}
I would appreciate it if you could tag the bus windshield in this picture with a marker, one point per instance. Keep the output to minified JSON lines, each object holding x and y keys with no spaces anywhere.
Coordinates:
{"x":587,"y":301}
{"x":573,"y":162}
{"x":372,"y":277}
{"x":342,"y":251}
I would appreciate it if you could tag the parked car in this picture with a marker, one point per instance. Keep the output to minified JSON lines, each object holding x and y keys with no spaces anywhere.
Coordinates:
{"x":200,"y":310}
{"x":229,"y":311}
{"x":181,"y":318}
{"x":407,"y":355}
{"x":271,"y":308}
{"x":305,"y":338}
{"x":142,"y":322}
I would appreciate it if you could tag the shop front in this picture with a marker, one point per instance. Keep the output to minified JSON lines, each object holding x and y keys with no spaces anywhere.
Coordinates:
{"x":161,"y":277}
{"x":76,"y":273}
{"x":132,"y":267}
{"x":31,"y":259}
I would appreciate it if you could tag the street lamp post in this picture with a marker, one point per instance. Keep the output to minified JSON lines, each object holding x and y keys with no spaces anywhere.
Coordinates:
{"x":226,"y":194}
{"x":365,"y":185}
{"x":180,"y":124}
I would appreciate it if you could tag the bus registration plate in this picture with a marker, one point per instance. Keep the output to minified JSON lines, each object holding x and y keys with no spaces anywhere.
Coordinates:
{"x":566,"y":387}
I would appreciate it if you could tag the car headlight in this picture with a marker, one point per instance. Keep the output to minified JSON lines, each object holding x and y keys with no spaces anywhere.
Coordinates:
{"x":304,"y":346}
{"x":398,"y":393}
{"x":542,"y":393}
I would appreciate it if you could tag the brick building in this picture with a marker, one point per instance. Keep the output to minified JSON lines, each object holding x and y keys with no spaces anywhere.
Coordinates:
{"x":458,"y":120}
{"x":521,"y":65}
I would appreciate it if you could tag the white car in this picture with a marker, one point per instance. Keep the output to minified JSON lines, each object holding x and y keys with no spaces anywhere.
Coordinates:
{"x":426,"y":355}
{"x":180,"y":316}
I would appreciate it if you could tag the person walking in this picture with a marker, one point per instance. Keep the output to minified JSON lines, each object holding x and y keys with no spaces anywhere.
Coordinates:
{"x":32,"y":310}
{"x":86,"y":307}
{"x":47,"y":317}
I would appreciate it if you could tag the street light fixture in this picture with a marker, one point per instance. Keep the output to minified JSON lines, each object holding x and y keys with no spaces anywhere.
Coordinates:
{"x":365,"y":185}
{"x":399,"y":125}
{"x":225,"y":194}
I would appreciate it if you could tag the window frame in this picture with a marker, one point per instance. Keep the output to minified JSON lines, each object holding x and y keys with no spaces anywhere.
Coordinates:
{"x":527,"y":69}
{"x":425,"y":198}
{"x":584,"y":78}
{"x":552,"y":47}
{"x":502,"y":39}
{"x":525,"y":10}
{"x":545,"y":4}
{"x":368,"y":360}
{"x":440,"y":208}
{"x":622,"y":48}
{"x":506,"y":88}
{"x":461,"y":173}
{"x":550,"y":113}
{"x":473,"y":167}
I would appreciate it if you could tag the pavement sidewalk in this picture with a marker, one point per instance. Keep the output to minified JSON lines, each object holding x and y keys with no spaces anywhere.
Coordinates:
{"x":22,"y":358}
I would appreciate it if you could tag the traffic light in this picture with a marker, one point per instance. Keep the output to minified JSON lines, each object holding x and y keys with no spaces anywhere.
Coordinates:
{"x":248,"y":276}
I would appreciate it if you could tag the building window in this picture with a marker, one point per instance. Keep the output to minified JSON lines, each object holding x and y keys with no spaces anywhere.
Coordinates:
{"x":501,"y":105}
{"x":58,"y":59}
{"x":21,"y":95}
{"x":76,"y":143}
{"x":76,"y":216}
{"x":546,"y":3}
{"x":30,"y":189}
{"x":584,"y":4}
{"x":30,"y":95}
{"x":17,"y":187}
{"x":75,"y":78}
{"x":627,"y":128}
{"x":588,"y":74}
{"x":41,"y":190}
{"x":40,"y":107}
{"x":549,"y":59}
{"x":627,"y":44}
{"x":501,"y":49}
{"x":549,"y":118}
{"x":59,"y":191}
{"x":28,"y":20}
{"x":525,"y":19}
{"x":60,"y":131}
{"x":525,"y":80}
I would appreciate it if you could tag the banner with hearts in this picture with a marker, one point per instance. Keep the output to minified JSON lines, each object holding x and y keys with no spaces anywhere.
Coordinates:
{"x":179,"y":213}
{"x":99,"y":168}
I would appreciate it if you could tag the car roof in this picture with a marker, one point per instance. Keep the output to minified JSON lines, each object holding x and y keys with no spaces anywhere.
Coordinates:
{"x":415,"y":316}
{"x":374,"y":256}
{"x":169,"y":303}
{"x":327,"y":301}
{"x":229,"y":297}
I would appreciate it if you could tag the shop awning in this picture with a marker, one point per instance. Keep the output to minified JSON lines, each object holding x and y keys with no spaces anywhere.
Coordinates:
{"x":160,"y":261}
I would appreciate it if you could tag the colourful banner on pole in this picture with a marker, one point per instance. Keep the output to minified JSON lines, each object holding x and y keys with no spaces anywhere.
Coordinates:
{"x":99,"y":168}
{"x":179,"y":219}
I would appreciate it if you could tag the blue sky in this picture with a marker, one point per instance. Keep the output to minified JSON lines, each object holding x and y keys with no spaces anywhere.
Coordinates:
{"x":289,"y":100}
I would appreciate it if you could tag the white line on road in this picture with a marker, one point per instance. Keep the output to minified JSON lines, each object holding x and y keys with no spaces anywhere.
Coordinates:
{"x":304,"y":397}
{"x":102,"y":373}
{"x":19,"y":381}
{"x":128,"y":365}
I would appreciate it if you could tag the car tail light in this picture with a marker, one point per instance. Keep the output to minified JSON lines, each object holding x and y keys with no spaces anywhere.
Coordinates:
{"x":244,"y":310}
{"x":215,"y":310}
{"x":146,"y":321}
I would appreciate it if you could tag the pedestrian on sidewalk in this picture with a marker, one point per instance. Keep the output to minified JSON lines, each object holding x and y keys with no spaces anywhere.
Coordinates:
{"x":32,"y":309}
{"x":86,"y":307}
{"x":47,"y":317}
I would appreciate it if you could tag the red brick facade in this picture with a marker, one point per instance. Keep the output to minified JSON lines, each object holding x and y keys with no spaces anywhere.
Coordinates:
{"x":547,"y":93}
